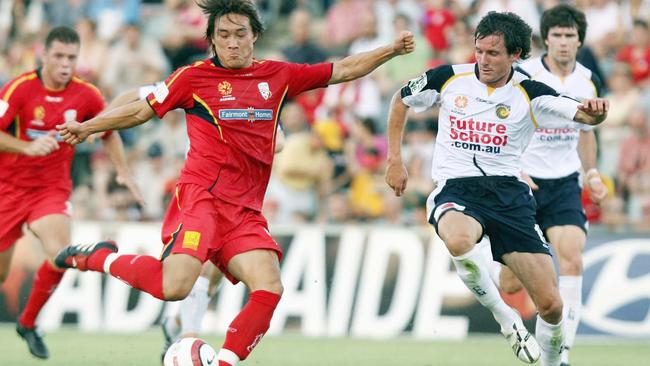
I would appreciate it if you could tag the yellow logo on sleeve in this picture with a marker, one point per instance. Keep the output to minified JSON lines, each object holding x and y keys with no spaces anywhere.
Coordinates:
{"x":191,"y":240}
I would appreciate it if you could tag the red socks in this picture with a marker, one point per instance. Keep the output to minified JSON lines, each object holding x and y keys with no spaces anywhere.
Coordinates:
{"x":142,"y":272}
{"x":45,"y":281}
{"x":246,"y":331}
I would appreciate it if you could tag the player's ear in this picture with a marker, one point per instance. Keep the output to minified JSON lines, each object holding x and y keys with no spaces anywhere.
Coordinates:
{"x":255,"y":36}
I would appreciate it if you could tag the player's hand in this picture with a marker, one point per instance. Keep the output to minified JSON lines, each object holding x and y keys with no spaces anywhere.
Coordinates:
{"x":529,"y":181}
{"x":404,"y":43}
{"x":72,"y":132}
{"x":596,"y":108}
{"x":126,"y":180}
{"x":396,"y":177}
{"x":42,"y":146}
{"x":597,"y":189}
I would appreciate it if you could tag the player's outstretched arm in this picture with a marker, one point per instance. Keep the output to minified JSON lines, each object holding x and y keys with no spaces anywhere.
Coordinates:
{"x":588,"y":150}
{"x":123,"y":117}
{"x":592,"y":111}
{"x":39,"y":147}
{"x":362,"y":64}
{"x":396,"y":173}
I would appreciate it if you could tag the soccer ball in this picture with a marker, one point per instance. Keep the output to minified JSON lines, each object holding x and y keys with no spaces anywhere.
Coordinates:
{"x":190,"y":352}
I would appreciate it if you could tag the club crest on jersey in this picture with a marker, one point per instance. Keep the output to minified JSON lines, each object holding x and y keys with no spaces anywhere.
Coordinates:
{"x":460,"y":101}
{"x":225,"y":88}
{"x":264,"y":89}
{"x":503,"y":111}
{"x":39,"y":113}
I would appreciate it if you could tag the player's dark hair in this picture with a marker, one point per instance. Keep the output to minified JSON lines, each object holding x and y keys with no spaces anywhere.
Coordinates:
{"x":215,"y":9}
{"x":640,"y":23}
{"x":565,"y":16}
{"x":62,"y":34}
{"x":516,"y":33}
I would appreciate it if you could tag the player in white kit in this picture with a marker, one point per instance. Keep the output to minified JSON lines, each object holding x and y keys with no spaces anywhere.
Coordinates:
{"x":552,"y":162}
{"x":488,"y":114}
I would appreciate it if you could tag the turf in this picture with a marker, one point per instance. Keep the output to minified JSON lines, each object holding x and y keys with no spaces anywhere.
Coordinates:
{"x":70,"y":347}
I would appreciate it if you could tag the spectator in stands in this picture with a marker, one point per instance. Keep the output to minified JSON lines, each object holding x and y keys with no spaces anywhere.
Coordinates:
{"x":134,"y":60}
{"x":301,"y":179}
{"x":636,"y":54}
{"x":437,"y":23}
{"x":111,"y":15}
{"x":341,"y":27}
{"x":184,"y":41}
{"x":65,"y":12}
{"x":387,"y":10}
{"x":302,"y":48}
{"x":634,"y":158}
{"x":92,"y":53}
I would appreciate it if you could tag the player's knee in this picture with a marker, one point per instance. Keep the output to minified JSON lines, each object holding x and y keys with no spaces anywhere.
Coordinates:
{"x":550,"y":309}
{"x":3,"y":276}
{"x":459,"y":244}
{"x":178,"y":290}
{"x":272,"y":285}
{"x":510,"y":284}
{"x":571,"y":266}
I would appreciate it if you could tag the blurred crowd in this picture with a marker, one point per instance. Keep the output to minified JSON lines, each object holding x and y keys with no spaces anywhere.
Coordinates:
{"x":331,"y":169}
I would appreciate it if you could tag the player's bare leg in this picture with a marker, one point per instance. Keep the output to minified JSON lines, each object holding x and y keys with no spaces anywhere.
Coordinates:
{"x":259,"y":270}
{"x":536,"y":272}
{"x":54,"y":233}
{"x":460,"y":234}
{"x":568,"y":242}
{"x":508,"y":281}
{"x":5,"y":263}
{"x":186,"y":321}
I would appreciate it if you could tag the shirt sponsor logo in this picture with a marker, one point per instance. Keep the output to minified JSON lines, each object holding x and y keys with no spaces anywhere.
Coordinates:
{"x":503,"y":111}
{"x":250,"y":114}
{"x":556,"y":134}
{"x":225,"y":88}
{"x":470,"y":134}
{"x":191,"y":240}
{"x":265,"y":90}
{"x":52,"y":99}
{"x":34,"y":134}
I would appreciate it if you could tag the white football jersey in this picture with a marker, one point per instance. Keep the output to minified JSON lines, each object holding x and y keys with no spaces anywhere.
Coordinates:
{"x":482,"y":131}
{"x":552,"y":153}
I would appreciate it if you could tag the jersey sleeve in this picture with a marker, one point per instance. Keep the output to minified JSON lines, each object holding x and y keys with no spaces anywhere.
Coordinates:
{"x":424,"y":91}
{"x":95,"y":102}
{"x":11,"y":99}
{"x":545,"y":101}
{"x":174,"y":93}
{"x":303,"y":77}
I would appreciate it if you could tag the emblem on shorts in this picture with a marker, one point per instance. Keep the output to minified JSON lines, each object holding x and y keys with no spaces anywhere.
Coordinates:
{"x":191,"y":240}
{"x":264,"y":90}
{"x":460,"y":101}
{"x":503,"y":111}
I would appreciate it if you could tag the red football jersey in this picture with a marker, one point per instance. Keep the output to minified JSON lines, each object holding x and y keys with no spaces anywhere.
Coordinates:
{"x":29,"y":110}
{"x":232,"y":117}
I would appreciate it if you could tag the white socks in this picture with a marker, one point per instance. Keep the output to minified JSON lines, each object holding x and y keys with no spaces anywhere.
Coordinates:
{"x":571,"y":293}
{"x":472,"y":268}
{"x":228,"y":356}
{"x":549,"y":337}
{"x":194,"y":306}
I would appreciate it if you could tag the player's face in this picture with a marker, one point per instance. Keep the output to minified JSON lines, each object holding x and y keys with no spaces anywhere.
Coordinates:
{"x":494,"y":62}
{"x":562,"y":44}
{"x":60,"y":61}
{"x":233,"y":40}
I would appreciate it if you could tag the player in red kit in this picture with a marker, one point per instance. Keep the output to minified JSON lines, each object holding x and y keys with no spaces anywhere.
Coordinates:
{"x":35,"y":165}
{"x":232,"y":102}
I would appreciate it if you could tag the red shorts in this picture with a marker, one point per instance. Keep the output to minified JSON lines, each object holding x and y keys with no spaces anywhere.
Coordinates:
{"x":209,"y":228}
{"x":26,"y":205}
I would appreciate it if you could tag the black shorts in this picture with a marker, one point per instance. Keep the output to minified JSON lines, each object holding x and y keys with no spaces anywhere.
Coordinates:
{"x":559,"y":202}
{"x":502,"y":205}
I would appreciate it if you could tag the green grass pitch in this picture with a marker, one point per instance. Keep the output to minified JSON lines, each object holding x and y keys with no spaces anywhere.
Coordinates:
{"x":70,"y":347}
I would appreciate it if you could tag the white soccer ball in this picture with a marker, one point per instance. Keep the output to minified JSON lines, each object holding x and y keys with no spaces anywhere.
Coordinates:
{"x":190,"y":352}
